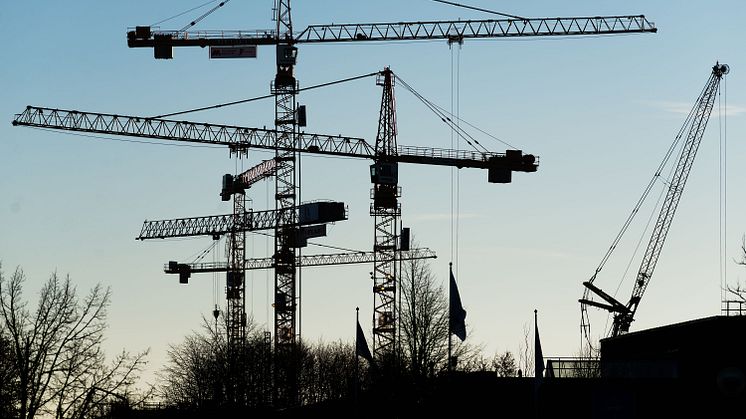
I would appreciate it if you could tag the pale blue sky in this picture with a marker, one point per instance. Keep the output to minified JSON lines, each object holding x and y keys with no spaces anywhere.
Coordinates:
{"x":599,"y":111}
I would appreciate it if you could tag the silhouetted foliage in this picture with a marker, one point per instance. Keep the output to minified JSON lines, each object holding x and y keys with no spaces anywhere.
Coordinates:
{"x":505,"y":364}
{"x":202,"y":373}
{"x":8,"y":376}
{"x":423,"y":320}
{"x":205,"y":372}
{"x":423,"y":325}
{"x":57,"y":365}
{"x":327,"y":372}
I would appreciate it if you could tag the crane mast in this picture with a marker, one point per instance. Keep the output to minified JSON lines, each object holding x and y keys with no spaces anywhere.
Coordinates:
{"x":386,"y":213}
{"x":288,"y":144}
{"x":696,"y":122}
{"x":285,"y":87}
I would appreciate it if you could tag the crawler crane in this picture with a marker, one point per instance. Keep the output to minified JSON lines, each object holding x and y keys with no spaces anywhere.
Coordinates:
{"x":692,"y":132}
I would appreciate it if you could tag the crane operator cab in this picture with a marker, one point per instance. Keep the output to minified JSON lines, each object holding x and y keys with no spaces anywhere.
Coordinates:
{"x":384,"y":173}
{"x":385,"y":177}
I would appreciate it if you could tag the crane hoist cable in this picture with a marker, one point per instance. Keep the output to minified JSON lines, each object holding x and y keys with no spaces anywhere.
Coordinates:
{"x":723,"y":185}
{"x":456,"y":174}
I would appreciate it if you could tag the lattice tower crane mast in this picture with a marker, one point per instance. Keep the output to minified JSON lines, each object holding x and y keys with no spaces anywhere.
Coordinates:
{"x":285,"y":137}
{"x":696,"y":122}
{"x":386,"y":213}
{"x":285,"y":86}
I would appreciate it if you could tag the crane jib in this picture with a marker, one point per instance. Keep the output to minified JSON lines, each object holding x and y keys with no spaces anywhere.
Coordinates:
{"x":499,"y":165}
{"x":692,"y":132}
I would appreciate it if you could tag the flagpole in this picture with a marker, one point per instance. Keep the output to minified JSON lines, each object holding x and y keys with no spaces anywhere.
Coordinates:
{"x":450,"y":272}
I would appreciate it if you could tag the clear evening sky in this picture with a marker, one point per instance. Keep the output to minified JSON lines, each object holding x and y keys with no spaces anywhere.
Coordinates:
{"x":599,"y":111}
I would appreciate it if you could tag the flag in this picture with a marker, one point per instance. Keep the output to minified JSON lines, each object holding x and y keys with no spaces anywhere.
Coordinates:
{"x":361,"y":346}
{"x":538,"y":355}
{"x":456,"y":312}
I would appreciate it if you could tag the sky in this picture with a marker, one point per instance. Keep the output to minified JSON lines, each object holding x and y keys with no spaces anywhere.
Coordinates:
{"x":600,"y":112}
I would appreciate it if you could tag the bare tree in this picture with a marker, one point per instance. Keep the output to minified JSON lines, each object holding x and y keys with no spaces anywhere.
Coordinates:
{"x":56,"y":352}
{"x":327,"y":372}
{"x":423,"y":319}
{"x":8,"y":376}
{"x":205,"y":371}
{"x":526,"y":353}
{"x":423,"y":323}
{"x":195,"y":372}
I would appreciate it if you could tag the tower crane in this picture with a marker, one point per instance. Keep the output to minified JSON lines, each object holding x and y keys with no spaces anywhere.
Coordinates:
{"x":288,"y":142}
{"x":499,"y":167}
{"x":692,"y":131}
{"x":285,"y":89}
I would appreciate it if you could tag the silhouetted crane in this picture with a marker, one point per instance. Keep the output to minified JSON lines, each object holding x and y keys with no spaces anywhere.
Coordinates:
{"x":692,"y":130}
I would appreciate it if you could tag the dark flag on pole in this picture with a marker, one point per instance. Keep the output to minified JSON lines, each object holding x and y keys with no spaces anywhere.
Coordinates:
{"x":538,"y":355}
{"x":456,"y":312}
{"x":361,"y":346}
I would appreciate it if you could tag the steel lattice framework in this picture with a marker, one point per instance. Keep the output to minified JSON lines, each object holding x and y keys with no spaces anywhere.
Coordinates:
{"x":213,"y":225}
{"x":386,"y":212}
{"x":329,"y":259}
{"x":288,"y":142}
{"x":285,"y":89}
{"x":407,"y":31}
{"x":237,"y":137}
{"x":217,"y":225}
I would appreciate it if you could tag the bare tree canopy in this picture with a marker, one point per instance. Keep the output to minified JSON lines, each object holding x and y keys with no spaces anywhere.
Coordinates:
{"x":57,"y":366}
{"x":424,"y":323}
{"x":203,"y":372}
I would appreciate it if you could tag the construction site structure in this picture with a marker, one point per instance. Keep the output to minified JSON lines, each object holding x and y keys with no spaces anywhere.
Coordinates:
{"x":286,"y":139}
{"x":498,"y":165}
{"x":692,"y":132}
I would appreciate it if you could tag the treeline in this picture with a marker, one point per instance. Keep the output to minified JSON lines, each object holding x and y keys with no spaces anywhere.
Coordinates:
{"x":52,"y":363}
{"x":204,"y":372}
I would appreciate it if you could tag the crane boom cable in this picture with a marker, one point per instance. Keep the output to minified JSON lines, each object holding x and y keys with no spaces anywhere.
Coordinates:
{"x":476,"y":128}
{"x":694,"y":127}
{"x":649,"y":187}
{"x":183,"y":13}
{"x":465,"y":6}
{"x":444,"y":118}
{"x":238,"y":102}
{"x":204,"y":15}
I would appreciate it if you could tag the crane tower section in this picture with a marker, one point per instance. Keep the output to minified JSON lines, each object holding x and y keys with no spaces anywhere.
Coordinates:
{"x":386,"y":213}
